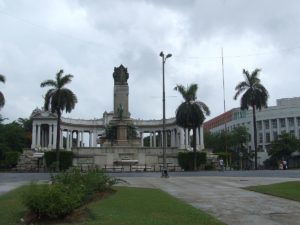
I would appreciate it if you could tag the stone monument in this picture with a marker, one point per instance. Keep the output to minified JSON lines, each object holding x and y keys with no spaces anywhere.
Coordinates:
{"x":121,"y":125}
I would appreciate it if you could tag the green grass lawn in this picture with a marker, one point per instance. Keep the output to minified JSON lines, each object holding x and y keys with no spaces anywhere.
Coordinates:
{"x":289,"y":190}
{"x":128,"y":206}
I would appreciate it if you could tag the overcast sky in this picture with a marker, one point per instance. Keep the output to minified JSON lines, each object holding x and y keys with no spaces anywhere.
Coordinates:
{"x":89,"y":38}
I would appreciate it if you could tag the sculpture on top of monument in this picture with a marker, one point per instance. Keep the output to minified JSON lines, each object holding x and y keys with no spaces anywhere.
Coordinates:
{"x":120,"y":111}
{"x":120,"y":75}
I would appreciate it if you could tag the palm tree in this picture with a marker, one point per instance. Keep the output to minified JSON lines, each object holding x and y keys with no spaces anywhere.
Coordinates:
{"x":191,"y":113}
{"x":2,"y":99}
{"x":255,"y":96}
{"x":57,"y":99}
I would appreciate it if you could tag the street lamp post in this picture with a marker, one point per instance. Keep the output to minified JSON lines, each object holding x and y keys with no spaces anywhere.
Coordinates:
{"x":165,"y":170}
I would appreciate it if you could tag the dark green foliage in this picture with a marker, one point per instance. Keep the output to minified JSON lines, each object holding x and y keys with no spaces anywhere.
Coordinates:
{"x":53,"y":201}
{"x":191,"y":113}
{"x":284,"y":146}
{"x":90,"y":182}
{"x":58,"y":99}
{"x":111,"y":132}
{"x":131,"y":132}
{"x":186,"y":159}
{"x":281,"y":149}
{"x":65,"y":159}
{"x":2,"y":99}
{"x":255,"y":96}
{"x":12,"y":139}
{"x":68,"y":191}
{"x":11,"y":158}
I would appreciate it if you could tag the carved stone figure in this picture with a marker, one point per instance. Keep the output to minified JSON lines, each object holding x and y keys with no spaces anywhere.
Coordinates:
{"x":120,"y":75}
{"x":120,"y":111}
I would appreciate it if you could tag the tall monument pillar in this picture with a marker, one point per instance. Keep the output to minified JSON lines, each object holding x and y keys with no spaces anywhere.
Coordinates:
{"x":121,"y":92}
{"x":122,"y":132}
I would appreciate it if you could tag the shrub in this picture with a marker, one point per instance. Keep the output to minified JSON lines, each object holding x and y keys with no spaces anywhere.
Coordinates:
{"x":65,"y":159}
{"x":186,"y":159}
{"x":11,"y":158}
{"x":91,"y":181}
{"x":53,"y":201}
{"x":68,"y":191}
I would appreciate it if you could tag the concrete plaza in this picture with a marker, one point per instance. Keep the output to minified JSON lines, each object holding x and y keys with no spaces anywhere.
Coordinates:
{"x":218,"y":193}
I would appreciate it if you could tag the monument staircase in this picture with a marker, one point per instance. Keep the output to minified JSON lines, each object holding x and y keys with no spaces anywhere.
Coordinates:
{"x":28,"y":160}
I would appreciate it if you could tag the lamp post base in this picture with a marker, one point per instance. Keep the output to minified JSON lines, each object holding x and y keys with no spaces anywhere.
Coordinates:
{"x":164,"y":174}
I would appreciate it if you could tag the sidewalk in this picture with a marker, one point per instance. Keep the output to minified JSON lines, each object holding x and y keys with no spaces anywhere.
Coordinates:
{"x":223,"y":198}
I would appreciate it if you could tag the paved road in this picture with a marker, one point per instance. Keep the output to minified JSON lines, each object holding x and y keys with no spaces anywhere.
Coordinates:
{"x":218,"y":193}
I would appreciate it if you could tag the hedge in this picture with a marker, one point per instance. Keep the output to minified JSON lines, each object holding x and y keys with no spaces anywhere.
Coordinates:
{"x":65,"y":159}
{"x":186,"y":159}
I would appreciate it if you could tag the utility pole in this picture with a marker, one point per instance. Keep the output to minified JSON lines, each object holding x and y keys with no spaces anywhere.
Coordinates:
{"x":225,"y":124}
{"x":165,"y":169}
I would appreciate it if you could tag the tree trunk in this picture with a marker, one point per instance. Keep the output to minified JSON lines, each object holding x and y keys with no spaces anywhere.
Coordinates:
{"x":58,"y":140}
{"x":195,"y":148}
{"x":255,"y":136}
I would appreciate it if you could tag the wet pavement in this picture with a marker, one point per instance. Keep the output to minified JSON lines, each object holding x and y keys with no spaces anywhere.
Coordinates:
{"x":218,"y":193}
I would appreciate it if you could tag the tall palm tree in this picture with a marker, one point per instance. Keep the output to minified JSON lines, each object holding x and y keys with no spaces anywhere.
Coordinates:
{"x":57,"y":99}
{"x":191,"y":113}
{"x":2,"y":99}
{"x":255,"y":96}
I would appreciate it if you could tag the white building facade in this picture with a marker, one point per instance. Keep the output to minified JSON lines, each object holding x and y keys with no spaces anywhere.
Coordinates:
{"x":271,"y":122}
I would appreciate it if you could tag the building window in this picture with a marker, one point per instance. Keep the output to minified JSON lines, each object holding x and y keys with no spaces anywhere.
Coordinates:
{"x":259,"y":125}
{"x":274,"y":124}
{"x":282,"y":123}
{"x":260,"y":148}
{"x":292,"y":133}
{"x":268,"y":138}
{"x":275,"y":135}
{"x":260,"y":137}
{"x":291,"y":122}
{"x":298,"y":121}
{"x":267,"y":124}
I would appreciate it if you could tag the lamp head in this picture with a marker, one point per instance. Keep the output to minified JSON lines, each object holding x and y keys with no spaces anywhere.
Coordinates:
{"x":161,"y":54}
{"x":169,"y":55}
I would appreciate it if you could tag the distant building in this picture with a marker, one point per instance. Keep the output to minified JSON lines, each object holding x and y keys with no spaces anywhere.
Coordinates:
{"x":271,"y":122}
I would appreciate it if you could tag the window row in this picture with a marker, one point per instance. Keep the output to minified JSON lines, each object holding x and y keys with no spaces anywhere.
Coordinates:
{"x":278,"y":123}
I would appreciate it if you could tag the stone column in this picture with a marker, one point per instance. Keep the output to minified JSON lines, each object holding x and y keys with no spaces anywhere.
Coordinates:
{"x":201,"y":138}
{"x":81,"y":138}
{"x":154,"y":139}
{"x":142,"y":139}
{"x":90,"y":138}
{"x":77,"y":138}
{"x":39,"y":136}
{"x":182,"y":143}
{"x":94,"y":139}
{"x":68,"y":140}
{"x":150,"y":139}
{"x":187,"y":138}
{"x":61,"y":139}
{"x":55,"y":136}
{"x":50,"y":136}
{"x":33,"y":142}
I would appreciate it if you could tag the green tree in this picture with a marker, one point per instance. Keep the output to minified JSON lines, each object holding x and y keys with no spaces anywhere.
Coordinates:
{"x":58,"y":99}
{"x":2,"y":99}
{"x":283,"y":147}
{"x":255,"y":96}
{"x":26,"y":124}
{"x":191,"y":113}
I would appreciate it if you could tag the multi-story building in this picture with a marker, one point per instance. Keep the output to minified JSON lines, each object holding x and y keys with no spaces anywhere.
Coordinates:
{"x":271,"y":122}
